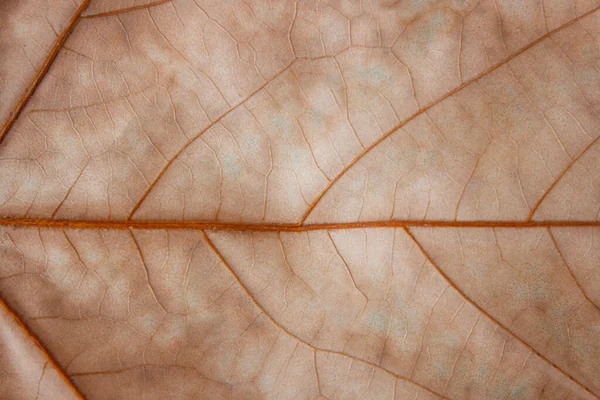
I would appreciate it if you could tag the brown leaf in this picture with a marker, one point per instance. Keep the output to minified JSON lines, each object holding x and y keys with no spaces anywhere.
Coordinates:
{"x":300,"y":200}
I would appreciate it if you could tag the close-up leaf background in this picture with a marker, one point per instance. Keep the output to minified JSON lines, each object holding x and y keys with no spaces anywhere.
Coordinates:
{"x":300,"y":199}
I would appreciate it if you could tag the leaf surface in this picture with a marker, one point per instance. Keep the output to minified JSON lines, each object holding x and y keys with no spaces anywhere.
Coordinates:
{"x":300,"y":200}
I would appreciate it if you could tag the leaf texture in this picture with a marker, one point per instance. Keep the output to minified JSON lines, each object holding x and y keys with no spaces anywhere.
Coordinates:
{"x":24,"y":62}
{"x":26,"y":371}
{"x":246,"y":199}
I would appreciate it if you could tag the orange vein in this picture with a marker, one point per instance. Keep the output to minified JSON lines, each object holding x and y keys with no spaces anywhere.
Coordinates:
{"x":146,"y":272}
{"x":60,"y":40}
{"x":434,"y":103}
{"x":193,"y":139}
{"x":124,"y":10}
{"x":275,"y":227}
{"x":42,"y":349}
{"x":562,"y":257}
{"x":481,"y":310}
{"x":558,"y":178}
{"x":291,"y":335}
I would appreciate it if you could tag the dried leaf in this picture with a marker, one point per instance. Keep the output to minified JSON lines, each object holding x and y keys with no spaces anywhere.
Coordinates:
{"x":300,"y":200}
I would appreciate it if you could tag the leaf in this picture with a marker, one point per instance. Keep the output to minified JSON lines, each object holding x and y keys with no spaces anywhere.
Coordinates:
{"x":300,"y":200}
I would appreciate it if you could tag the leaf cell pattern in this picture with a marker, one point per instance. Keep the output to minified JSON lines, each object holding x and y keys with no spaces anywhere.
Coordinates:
{"x":300,"y":199}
